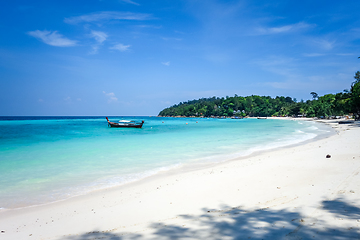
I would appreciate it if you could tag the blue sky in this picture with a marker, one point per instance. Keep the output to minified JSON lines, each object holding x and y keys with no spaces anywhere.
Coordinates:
{"x":136,"y":57}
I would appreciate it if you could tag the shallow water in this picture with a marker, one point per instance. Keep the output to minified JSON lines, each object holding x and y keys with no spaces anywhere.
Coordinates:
{"x":45,"y":159}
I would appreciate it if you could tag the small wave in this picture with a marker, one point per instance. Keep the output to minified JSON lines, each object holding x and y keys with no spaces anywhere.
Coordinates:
{"x":115,"y":181}
{"x":285,"y":142}
{"x":280,"y":142}
{"x":221,"y":157}
{"x":313,"y":128}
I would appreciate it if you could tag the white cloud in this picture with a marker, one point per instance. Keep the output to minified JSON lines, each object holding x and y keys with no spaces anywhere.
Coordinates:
{"x":52,"y":38}
{"x":283,"y":29}
{"x":111,"y":97}
{"x":121,"y":47}
{"x":100,"y":37}
{"x":313,"y":54}
{"x":106,"y":16}
{"x":131,"y":2}
{"x":166,"y":63}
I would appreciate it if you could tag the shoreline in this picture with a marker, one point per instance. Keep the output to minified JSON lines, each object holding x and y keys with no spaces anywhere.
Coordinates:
{"x":253,"y":183}
{"x":199,"y":164}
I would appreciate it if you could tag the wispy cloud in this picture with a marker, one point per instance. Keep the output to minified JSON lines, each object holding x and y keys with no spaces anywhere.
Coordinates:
{"x":345,"y":54}
{"x":131,"y":2}
{"x":166,"y":63}
{"x":52,"y":38}
{"x":313,"y":54}
{"x":282,"y":29}
{"x":280,"y":65}
{"x":310,"y":83}
{"x":121,"y":47}
{"x":149,"y":26}
{"x":110,"y":97}
{"x":100,"y":37}
{"x":287,"y":84}
{"x":167,"y":39}
{"x":67,"y":99}
{"x":324,"y":43}
{"x":179,"y":32}
{"x":95,"y":49}
{"x":106,"y":16}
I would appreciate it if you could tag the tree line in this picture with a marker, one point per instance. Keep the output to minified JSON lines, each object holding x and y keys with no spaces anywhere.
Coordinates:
{"x":339,"y":104}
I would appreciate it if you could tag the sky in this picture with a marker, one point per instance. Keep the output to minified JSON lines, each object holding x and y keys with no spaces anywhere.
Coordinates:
{"x":137,"y":57}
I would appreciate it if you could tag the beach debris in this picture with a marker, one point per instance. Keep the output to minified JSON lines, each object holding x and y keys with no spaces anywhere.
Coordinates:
{"x":328,"y":156}
{"x":352,"y":191}
{"x":302,"y":220}
{"x":278,"y":187}
{"x":2,"y":231}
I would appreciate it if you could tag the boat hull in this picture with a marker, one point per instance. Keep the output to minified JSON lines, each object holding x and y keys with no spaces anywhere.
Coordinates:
{"x":130,"y":124}
{"x":116,"y":125}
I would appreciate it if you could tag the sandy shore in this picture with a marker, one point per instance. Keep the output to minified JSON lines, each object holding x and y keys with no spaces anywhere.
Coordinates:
{"x":289,"y":193}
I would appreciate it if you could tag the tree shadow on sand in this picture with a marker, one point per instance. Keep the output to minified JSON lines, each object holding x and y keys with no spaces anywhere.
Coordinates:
{"x":239,"y":223}
{"x":342,"y":209}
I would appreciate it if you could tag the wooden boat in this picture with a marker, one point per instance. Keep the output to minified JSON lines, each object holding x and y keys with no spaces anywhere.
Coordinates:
{"x":346,"y":122}
{"x":125,"y":124}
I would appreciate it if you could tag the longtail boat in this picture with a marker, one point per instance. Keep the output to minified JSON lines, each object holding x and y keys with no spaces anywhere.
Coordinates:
{"x":125,"y":124}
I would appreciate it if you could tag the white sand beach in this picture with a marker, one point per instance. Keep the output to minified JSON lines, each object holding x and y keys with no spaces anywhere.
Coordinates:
{"x":288,"y":193}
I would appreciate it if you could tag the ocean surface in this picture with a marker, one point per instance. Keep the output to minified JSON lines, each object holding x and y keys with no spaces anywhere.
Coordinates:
{"x":46,"y":159}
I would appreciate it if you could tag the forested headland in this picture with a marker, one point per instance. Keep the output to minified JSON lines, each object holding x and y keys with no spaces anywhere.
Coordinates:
{"x":339,"y":104}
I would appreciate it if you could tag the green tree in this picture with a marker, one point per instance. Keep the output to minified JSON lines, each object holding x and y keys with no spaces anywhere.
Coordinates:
{"x":355,"y":96}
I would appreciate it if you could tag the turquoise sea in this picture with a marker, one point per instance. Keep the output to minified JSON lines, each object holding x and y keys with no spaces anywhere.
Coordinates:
{"x":46,"y":159}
